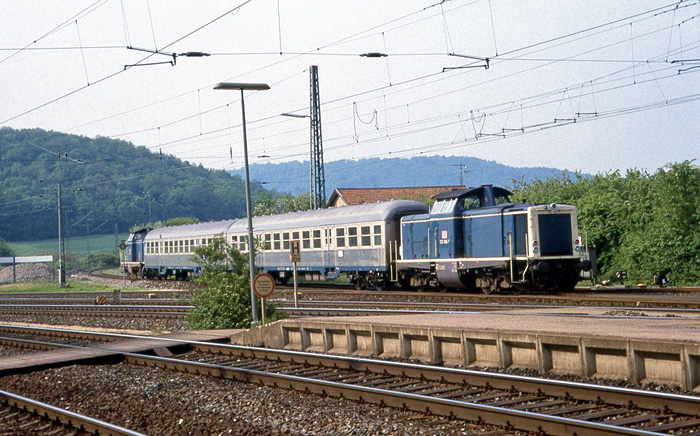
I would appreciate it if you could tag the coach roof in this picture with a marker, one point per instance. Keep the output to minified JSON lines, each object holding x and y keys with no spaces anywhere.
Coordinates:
{"x":381,"y":211}
{"x":190,"y":230}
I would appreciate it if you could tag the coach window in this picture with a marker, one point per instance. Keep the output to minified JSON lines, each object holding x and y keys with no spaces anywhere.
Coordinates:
{"x":377,"y":235}
{"x":242,"y":243}
{"x":317,"y":238}
{"x":352,"y":236}
{"x":234,"y":242}
{"x":366,"y":238}
{"x":340,"y":237}
{"x":305,"y":239}
{"x":285,"y":241}
{"x":182,"y":246}
{"x":276,"y":241}
{"x":192,"y":245}
{"x":187,"y":246}
{"x":268,"y":241}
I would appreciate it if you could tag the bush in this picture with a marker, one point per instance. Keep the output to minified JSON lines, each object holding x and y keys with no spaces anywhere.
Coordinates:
{"x":5,"y":250}
{"x":225,"y":300}
{"x":100,"y":261}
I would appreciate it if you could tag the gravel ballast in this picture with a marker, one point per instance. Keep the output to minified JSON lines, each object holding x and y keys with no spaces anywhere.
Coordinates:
{"x":158,"y":402}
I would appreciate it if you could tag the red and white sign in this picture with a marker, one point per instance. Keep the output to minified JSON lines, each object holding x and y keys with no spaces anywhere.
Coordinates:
{"x":263,"y":285}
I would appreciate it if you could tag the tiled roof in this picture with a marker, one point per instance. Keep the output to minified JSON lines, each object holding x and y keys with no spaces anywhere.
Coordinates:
{"x":355,"y":196}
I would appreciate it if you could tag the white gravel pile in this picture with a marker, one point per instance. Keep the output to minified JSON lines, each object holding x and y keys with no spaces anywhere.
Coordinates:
{"x":28,"y":272}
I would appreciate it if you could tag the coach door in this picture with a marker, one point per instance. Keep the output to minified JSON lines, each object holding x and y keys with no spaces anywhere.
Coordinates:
{"x":329,"y":251}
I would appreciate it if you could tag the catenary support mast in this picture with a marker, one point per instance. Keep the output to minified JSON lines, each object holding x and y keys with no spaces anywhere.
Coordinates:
{"x":317,"y":188}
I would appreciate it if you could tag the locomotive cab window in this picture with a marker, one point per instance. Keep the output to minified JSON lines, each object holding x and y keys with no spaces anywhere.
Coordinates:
{"x":444,"y":206}
{"x":470,"y":203}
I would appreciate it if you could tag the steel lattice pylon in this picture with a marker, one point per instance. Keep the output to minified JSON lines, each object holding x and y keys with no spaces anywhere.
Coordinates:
{"x":317,"y":187}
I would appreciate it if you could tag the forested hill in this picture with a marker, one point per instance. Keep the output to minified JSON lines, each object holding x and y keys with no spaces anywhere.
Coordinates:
{"x":104,"y":182}
{"x":293,"y":177}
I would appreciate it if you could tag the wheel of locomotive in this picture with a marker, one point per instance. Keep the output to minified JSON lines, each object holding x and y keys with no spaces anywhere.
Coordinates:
{"x":380,"y":285}
{"x":488,"y":290}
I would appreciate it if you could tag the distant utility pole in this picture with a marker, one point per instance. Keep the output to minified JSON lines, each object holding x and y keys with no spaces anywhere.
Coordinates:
{"x":150,"y":207}
{"x":116,"y":239}
{"x":462,"y":171}
{"x":61,"y":243}
{"x":317,"y":188}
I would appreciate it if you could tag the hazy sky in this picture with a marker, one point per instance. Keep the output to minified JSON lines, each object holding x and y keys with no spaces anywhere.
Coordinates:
{"x":590,"y":85}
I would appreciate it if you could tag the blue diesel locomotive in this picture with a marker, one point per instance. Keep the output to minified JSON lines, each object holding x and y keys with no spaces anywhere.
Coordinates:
{"x":470,"y":238}
{"x":477,"y":238}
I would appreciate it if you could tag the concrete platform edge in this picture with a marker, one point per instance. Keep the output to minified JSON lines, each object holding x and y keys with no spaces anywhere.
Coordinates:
{"x":638,"y":361}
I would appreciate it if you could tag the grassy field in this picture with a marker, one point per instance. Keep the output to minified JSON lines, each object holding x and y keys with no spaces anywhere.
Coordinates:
{"x":81,"y":246}
{"x":53,"y":287}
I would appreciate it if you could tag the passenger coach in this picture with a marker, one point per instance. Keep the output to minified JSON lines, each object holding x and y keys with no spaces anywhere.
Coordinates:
{"x":362,"y":241}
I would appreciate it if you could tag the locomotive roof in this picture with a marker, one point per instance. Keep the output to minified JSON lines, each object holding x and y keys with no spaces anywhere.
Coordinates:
{"x":193,"y":230}
{"x":380,"y":211}
{"x":478,"y":191}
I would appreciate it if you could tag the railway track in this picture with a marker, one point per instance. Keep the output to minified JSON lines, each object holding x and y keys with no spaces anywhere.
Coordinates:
{"x":182,"y":297}
{"x":22,"y":415}
{"x":161,"y":312}
{"x":536,"y":405}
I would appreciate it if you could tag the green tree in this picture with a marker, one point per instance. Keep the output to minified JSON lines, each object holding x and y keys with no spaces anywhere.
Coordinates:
{"x":5,"y":250}
{"x":280,"y":203}
{"x":100,"y":261}
{"x":644,"y":223}
{"x":224,"y":302}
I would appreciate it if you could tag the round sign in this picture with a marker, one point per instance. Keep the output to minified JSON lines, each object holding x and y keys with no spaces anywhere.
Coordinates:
{"x":263,"y":285}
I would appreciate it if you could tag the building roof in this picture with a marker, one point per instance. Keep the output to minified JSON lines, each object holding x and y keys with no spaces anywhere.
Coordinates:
{"x":355,"y":196}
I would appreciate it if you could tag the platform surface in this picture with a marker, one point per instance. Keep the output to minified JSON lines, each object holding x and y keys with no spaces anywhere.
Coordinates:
{"x":564,"y":321}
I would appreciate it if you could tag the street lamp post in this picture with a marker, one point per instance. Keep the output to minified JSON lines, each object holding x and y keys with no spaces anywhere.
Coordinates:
{"x":251,"y":254}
